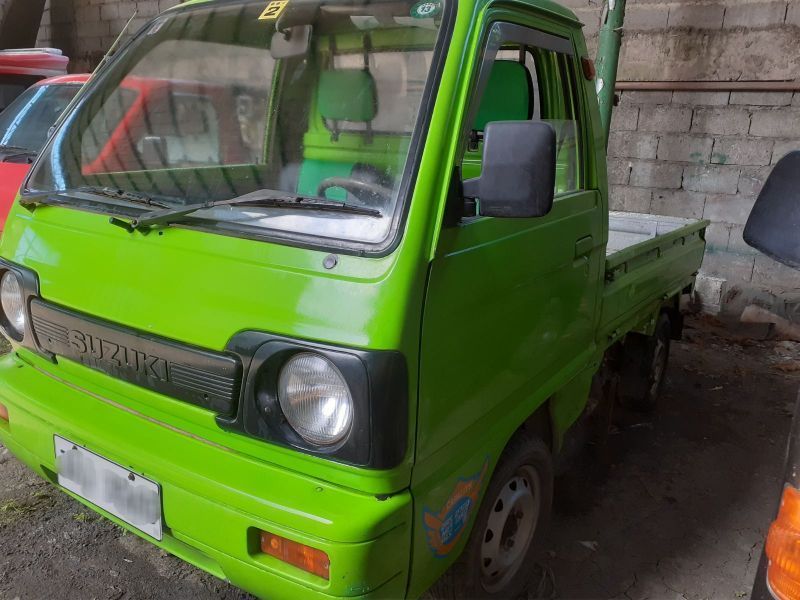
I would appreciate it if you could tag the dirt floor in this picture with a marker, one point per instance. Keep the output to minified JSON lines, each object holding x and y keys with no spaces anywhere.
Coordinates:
{"x":674,"y":506}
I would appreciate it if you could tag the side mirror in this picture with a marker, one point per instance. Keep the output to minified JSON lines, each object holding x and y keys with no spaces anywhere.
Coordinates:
{"x":519,"y":170}
{"x":774,"y":224}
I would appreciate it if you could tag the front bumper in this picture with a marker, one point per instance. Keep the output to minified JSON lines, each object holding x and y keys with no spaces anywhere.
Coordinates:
{"x":215,"y":499}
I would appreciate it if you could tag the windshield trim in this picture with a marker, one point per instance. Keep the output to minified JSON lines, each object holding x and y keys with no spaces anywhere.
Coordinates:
{"x":292,"y":238}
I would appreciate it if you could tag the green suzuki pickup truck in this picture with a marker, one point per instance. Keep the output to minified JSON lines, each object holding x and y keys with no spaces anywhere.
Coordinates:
{"x":330,"y":346}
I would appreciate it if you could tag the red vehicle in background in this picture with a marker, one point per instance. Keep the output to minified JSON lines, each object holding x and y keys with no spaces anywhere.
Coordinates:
{"x":24,"y":126}
{"x":202,"y":126}
{"x":20,"y":69}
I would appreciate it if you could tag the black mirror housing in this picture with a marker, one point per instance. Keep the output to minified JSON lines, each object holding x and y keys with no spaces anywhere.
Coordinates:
{"x":519,"y":170}
{"x":774,"y":223}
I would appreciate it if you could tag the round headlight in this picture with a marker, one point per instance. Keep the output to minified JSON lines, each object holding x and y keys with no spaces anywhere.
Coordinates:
{"x":13,"y":303}
{"x":315,"y":399}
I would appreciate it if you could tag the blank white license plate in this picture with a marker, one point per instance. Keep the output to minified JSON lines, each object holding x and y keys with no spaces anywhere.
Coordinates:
{"x":126,"y":495}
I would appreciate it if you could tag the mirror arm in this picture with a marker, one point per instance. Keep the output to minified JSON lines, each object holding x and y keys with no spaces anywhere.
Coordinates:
{"x":470,"y":208}
{"x":458,"y":205}
{"x":469,"y":197}
{"x":475,"y":139}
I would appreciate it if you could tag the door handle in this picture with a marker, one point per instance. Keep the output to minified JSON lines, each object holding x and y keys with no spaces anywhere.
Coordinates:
{"x":584,"y":246}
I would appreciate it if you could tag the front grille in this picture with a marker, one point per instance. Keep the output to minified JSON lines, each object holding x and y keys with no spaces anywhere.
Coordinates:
{"x":52,"y":332}
{"x":202,"y":377}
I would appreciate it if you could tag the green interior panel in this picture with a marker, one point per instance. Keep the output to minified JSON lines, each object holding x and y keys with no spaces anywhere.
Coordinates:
{"x":347,"y":95}
{"x":313,"y":172}
{"x":383,"y":150}
{"x":507,"y":97}
{"x":350,"y":95}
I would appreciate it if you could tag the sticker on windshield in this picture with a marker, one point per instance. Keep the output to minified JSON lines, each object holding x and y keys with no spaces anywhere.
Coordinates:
{"x":426,"y":9}
{"x":273,"y":10}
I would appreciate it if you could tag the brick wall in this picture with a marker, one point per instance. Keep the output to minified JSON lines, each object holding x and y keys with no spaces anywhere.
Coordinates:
{"x":85,"y":29}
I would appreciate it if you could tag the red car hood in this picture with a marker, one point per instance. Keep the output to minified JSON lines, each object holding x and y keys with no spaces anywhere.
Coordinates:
{"x":11,"y":178}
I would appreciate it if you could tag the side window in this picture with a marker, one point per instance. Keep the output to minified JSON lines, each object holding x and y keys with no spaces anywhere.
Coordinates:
{"x":527,"y":74}
{"x":561,"y":109}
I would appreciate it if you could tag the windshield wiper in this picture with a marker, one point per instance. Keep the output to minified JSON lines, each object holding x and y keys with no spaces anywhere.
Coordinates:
{"x":9,"y":153}
{"x":259,"y":199}
{"x":126,"y":196}
{"x":102,"y":195}
{"x":9,"y":148}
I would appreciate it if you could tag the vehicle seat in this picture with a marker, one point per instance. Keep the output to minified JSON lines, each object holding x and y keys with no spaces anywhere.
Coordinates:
{"x":508,"y":95}
{"x":342,"y":95}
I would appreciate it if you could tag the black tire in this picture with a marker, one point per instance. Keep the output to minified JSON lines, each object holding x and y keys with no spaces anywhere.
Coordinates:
{"x":644,"y":367}
{"x":525,"y":458}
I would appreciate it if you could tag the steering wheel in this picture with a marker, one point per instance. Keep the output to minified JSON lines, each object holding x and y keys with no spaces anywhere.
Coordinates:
{"x":371,"y":194}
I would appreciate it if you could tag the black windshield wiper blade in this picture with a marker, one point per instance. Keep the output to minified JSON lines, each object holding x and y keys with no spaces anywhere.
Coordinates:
{"x":29,"y":155}
{"x":102,"y":195}
{"x":260,"y":199}
{"x":10,"y":153}
{"x":119,"y":194}
{"x":9,"y":148}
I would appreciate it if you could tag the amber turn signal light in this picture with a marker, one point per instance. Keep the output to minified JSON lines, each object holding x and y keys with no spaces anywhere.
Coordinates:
{"x":3,"y":412}
{"x":783,"y":548}
{"x":296,"y":554}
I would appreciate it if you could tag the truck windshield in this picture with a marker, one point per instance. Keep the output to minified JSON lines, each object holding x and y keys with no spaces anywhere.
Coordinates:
{"x":217,"y":100}
{"x":26,"y":122}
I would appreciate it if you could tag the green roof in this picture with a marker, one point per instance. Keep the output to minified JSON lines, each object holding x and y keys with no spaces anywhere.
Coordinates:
{"x":548,"y":5}
{"x":553,"y":7}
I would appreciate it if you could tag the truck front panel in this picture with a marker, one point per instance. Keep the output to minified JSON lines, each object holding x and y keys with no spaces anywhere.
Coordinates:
{"x":215,"y":498}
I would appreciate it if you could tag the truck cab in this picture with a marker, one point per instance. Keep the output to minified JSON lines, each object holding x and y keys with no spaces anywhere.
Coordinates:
{"x":317,"y":315}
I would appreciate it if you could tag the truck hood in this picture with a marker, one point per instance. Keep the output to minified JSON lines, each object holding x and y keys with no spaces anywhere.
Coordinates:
{"x":202,"y":288}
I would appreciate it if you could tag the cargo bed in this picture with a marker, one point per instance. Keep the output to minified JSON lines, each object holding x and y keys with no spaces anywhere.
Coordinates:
{"x":649,"y":258}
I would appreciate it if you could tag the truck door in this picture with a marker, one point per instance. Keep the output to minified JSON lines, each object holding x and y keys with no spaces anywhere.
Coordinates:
{"x":510,"y":308}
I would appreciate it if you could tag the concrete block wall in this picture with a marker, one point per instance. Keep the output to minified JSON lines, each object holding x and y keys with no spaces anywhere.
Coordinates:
{"x":706,"y":154}
{"x":703,"y":40}
{"x":85,"y":29}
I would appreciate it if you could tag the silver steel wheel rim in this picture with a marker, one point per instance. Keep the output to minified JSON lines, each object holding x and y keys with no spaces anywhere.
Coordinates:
{"x":513,"y":518}
{"x":659,"y":366}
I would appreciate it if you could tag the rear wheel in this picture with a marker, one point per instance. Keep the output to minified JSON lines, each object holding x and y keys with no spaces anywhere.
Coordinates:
{"x":499,"y":557}
{"x":644,"y":367}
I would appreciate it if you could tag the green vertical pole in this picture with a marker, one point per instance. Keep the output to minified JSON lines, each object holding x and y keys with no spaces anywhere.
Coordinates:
{"x":607,"y":62}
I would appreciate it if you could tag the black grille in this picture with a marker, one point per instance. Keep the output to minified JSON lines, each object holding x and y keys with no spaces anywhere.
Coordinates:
{"x":202,"y":377}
